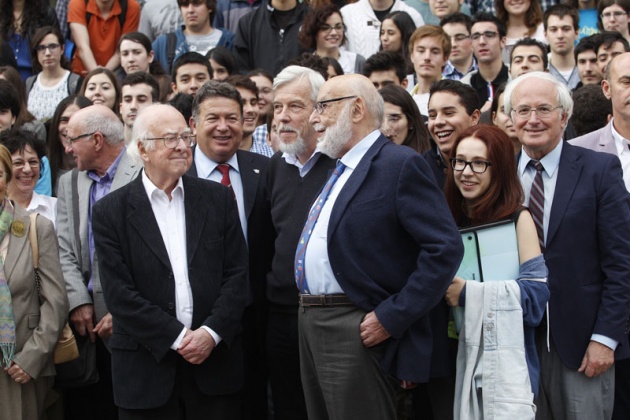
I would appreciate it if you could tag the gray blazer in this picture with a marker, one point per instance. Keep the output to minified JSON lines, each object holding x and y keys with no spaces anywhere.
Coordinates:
{"x":600,"y":140}
{"x":37,"y":326}
{"x":75,"y":257}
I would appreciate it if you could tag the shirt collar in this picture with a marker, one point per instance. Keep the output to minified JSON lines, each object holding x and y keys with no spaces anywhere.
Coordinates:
{"x":111,"y":171}
{"x":621,"y":144}
{"x":153,"y":191}
{"x":292,"y":159}
{"x":354,"y":155}
{"x":550,"y":161}
{"x":205,"y":165}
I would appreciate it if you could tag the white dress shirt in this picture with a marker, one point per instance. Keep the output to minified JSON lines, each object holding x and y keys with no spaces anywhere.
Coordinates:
{"x":623,"y":153}
{"x":45,"y":206}
{"x":292,"y":159}
{"x":208,"y":169}
{"x":319,"y":274}
{"x":171,"y":219}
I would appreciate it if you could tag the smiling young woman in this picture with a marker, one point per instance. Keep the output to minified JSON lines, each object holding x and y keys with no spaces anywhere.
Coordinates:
{"x":324,"y":32}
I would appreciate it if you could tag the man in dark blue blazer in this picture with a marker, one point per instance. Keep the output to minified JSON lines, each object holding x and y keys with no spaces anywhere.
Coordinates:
{"x":174,"y":272}
{"x":376,"y":255}
{"x":586,"y":238}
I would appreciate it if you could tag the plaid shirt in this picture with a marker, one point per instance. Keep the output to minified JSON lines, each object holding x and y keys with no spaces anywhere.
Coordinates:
{"x":259,"y":142}
{"x":450,"y":71}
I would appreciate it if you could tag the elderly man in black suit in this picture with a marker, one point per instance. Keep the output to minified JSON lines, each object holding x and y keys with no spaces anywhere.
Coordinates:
{"x":175,"y":262}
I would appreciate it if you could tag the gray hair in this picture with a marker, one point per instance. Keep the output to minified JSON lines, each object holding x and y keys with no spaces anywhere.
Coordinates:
{"x":142,"y":130}
{"x":215,"y":89}
{"x":563,"y":93}
{"x":297,"y":73}
{"x":109,"y":125}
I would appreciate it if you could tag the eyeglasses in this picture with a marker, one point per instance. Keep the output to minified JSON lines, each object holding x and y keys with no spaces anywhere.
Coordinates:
{"x":340,"y":27}
{"x":51,"y":47}
{"x":171,"y":141}
{"x":487,"y":35}
{"x":19,"y":164}
{"x":459,"y":37}
{"x":542,"y":111}
{"x":321,"y":106}
{"x":616,"y":14}
{"x":477,"y":166}
{"x":70,"y":140}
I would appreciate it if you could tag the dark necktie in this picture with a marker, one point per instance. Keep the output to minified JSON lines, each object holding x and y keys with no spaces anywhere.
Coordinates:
{"x":300,"y":275}
{"x":537,"y":202}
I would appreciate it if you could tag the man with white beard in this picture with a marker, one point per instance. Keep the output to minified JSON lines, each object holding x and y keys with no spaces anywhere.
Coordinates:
{"x":293,"y":179}
{"x":377,"y":253}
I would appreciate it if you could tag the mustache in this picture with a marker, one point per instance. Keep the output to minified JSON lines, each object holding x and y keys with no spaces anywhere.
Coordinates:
{"x":286,"y":128}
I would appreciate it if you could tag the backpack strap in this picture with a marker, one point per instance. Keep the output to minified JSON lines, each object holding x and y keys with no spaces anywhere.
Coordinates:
{"x":171,"y":41}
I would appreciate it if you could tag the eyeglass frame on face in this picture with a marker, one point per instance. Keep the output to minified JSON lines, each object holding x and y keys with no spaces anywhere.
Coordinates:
{"x":459,"y":38}
{"x":320,"y":105}
{"x":70,"y":140}
{"x":546,"y":112}
{"x":455,"y":161}
{"x":609,"y":15}
{"x":52,"y":47}
{"x":31,"y":163}
{"x":340,"y":27}
{"x":174,"y":139}
{"x":486,"y":34}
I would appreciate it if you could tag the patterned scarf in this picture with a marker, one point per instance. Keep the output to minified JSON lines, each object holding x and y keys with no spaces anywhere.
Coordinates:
{"x":7,"y":323}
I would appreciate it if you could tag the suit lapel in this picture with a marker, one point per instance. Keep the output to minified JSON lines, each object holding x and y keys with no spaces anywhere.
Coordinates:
{"x":192,"y":171}
{"x":569,"y":171}
{"x":17,"y":245}
{"x":125,"y":172}
{"x":249,"y":178}
{"x":353,"y":184}
{"x":143,"y":220}
{"x":84,"y":183}
{"x":196,"y":212}
{"x":606,"y":141}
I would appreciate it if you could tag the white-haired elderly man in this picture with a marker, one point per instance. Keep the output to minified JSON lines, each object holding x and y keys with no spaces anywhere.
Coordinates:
{"x":580,"y":207}
{"x":173,"y":262}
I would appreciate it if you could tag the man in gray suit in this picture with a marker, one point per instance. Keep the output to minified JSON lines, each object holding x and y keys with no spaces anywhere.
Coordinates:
{"x":95,"y":140}
{"x":613,"y":138}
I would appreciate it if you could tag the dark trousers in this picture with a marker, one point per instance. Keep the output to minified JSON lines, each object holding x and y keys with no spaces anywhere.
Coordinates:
{"x":283,"y":355}
{"x":187,"y":402}
{"x":94,"y":402}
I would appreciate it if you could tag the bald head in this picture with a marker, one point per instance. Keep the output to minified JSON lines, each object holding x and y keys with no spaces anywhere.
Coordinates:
{"x":617,"y":64}
{"x":99,"y":118}
{"x":349,"y":109}
{"x":616,"y":87}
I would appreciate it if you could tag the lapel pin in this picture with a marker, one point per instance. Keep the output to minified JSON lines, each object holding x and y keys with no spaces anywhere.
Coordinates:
{"x":18,"y":228}
{"x":257,"y":171}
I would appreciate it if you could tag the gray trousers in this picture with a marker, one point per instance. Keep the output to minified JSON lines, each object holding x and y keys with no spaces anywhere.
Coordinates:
{"x":567,"y":394}
{"x":341,"y":377}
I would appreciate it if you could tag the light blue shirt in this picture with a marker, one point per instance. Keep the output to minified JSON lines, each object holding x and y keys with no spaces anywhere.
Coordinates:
{"x":319,"y":274}
{"x":207,"y":169}
{"x":550,"y":176}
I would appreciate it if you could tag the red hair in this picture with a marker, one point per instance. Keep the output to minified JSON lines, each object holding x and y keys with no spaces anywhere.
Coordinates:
{"x":505,"y":193}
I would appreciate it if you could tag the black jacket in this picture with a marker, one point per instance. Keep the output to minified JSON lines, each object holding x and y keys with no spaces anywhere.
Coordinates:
{"x":261,"y":44}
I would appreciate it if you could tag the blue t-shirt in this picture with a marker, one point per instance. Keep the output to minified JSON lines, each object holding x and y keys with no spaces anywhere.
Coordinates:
{"x":588,"y":23}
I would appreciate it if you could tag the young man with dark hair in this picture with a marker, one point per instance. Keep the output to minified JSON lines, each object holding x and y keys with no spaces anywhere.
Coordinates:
{"x":562,"y":28}
{"x":138,"y":90}
{"x":488,"y":40}
{"x":585,"y":54}
{"x":386,"y":68}
{"x":461,"y":61}
{"x":526,"y":56}
{"x":196,"y":35}
{"x":190,"y":71}
{"x":608,"y":45}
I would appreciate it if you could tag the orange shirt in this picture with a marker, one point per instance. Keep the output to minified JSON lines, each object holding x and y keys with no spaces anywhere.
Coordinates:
{"x":104,"y":33}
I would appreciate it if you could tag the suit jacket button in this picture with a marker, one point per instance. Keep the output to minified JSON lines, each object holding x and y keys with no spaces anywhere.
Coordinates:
{"x":171,"y":305}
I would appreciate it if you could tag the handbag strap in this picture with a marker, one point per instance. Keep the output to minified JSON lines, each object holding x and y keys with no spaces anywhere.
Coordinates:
{"x":32,"y":236}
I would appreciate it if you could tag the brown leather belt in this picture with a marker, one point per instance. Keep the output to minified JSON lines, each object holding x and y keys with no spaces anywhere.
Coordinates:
{"x":325,"y":300}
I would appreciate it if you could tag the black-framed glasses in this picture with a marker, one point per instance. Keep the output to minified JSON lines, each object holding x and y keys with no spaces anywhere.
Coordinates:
{"x":51,"y":47}
{"x":487,"y":35}
{"x":32,"y":163}
{"x":340,"y":27}
{"x":543,"y":111}
{"x":616,"y":14}
{"x":477,"y":166}
{"x":321,"y":106}
{"x":460,"y":37}
{"x":70,"y":140}
{"x":172,"y":140}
